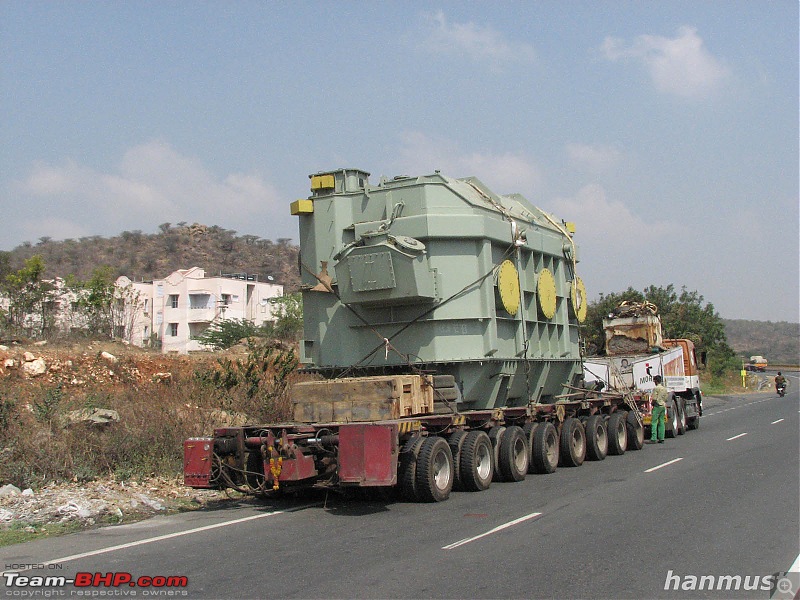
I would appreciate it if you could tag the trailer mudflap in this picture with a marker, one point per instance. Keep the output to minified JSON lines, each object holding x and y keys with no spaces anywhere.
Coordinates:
{"x":197,"y":458}
{"x":368,"y":454}
{"x":293,"y":469}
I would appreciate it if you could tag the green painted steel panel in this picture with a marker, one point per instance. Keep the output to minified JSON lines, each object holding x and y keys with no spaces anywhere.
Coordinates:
{"x":414,"y":261}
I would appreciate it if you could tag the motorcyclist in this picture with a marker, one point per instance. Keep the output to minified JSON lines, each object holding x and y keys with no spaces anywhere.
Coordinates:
{"x":780,"y":381}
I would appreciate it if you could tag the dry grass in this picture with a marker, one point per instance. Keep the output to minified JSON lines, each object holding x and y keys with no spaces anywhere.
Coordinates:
{"x":155,"y":418}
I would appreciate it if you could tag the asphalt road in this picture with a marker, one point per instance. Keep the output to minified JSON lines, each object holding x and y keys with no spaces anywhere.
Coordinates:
{"x":720,"y":501}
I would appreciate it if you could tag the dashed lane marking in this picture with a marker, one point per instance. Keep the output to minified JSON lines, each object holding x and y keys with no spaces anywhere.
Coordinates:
{"x":778,"y":421}
{"x":177,"y":534}
{"x":736,"y":437}
{"x":661,"y":466}
{"x":491,"y":531}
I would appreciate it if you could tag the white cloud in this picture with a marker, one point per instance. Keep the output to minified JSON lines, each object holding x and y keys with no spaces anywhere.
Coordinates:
{"x":152,"y":183}
{"x":481,"y":44}
{"x":593,"y":158}
{"x":607,"y":225}
{"x":505,"y":173}
{"x":681,"y":65}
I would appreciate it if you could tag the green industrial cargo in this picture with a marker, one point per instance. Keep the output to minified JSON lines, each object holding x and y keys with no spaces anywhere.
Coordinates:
{"x":439,"y":276}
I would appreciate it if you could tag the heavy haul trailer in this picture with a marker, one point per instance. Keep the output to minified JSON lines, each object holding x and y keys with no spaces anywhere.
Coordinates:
{"x":636,"y":351}
{"x":441,"y":321}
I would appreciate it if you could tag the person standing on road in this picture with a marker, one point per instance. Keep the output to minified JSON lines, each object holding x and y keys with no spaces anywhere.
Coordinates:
{"x":658,"y":421}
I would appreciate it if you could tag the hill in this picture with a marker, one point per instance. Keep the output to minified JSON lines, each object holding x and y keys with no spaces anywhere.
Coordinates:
{"x":142,"y":256}
{"x":778,"y":342}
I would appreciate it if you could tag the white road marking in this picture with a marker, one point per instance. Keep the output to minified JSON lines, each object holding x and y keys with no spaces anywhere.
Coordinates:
{"x":661,"y":466}
{"x":778,"y":421}
{"x":795,"y":568}
{"x":173,"y":535}
{"x":491,"y":531}
{"x":736,"y":436}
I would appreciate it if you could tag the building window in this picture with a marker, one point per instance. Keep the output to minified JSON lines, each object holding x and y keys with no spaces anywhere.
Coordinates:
{"x":173,"y":329}
{"x":173,"y":300}
{"x":226,"y":299}
{"x":146,"y":305}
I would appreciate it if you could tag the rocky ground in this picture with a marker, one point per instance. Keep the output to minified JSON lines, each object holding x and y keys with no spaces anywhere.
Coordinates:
{"x":97,"y":502}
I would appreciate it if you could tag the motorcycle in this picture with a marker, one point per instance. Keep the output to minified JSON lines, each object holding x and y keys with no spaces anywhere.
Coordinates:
{"x":781,"y":389}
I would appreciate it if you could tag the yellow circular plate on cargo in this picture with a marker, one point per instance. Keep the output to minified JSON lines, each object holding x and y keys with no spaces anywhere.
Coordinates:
{"x":546,"y":293}
{"x":508,"y":286}
{"x":578,"y":297}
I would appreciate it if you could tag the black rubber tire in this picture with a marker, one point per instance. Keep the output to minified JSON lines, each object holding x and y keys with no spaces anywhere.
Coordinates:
{"x":476,"y":464}
{"x":407,"y":469}
{"x":456,"y":440}
{"x":596,"y":438}
{"x":496,"y":436}
{"x":672,"y":421}
{"x":693,"y":423}
{"x":435,"y":472}
{"x":515,"y":455}
{"x":529,"y":429}
{"x":635,"y":432}
{"x":617,"y":433}
{"x":572,"y":451}
{"x":681,"y":416}
{"x":545,"y":452}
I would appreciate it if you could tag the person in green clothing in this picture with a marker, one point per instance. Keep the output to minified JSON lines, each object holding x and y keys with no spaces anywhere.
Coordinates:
{"x":658,"y":422}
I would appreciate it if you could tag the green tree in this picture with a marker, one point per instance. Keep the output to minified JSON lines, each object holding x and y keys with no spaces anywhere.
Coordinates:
{"x":288,"y":313}
{"x":30,"y":306}
{"x":224,"y":333}
{"x":96,"y":301}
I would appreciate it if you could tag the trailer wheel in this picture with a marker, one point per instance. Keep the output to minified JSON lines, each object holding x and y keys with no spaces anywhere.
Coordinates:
{"x":407,"y":476}
{"x":681,"y":416}
{"x":514,"y":456}
{"x":434,"y":470}
{"x":635,"y":432}
{"x":477,"y":463}
{"x":693,"y":422}
{"x":573,"y":443}
{"x":617,"y":433}
{"x":496,"y":434}
{"x":545,"y":451}
{"x":529,"y":429}
{"x":596,"y":438}
{"x":672,"y":422}
{"x":456,"y":440}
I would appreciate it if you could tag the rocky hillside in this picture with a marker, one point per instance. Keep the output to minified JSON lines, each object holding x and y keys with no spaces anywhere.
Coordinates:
{"x":778,"y":342}
{"x":142,"y":256}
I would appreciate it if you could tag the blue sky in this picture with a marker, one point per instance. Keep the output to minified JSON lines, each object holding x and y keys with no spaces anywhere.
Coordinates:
{"x":668,"y":131}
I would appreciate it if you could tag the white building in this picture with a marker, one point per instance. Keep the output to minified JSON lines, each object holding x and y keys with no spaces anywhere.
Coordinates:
{"x":180,"y":307}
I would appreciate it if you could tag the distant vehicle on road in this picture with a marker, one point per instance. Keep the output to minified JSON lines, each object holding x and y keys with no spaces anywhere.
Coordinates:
{"x":757,"y":363}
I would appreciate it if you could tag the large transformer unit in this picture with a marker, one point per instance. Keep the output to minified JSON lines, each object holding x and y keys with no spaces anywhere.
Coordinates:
{"x":442,"y":276}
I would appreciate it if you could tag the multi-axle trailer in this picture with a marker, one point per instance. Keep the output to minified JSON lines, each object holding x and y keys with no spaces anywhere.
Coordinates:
{"x":441,"y":321}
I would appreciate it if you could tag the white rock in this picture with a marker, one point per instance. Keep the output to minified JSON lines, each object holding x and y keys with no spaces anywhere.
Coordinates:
{"x":5,"y":515}
{"x":35,"y":367}
{"x":9,"y":363}
{"x":9,"y":490}
{"x":40,"y":343}
{"x":109,"y":357}
{"x":3,"y":348}
{"x":155,"y":505}
{"x":28,"y":356}
{"x":28,"y":492}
